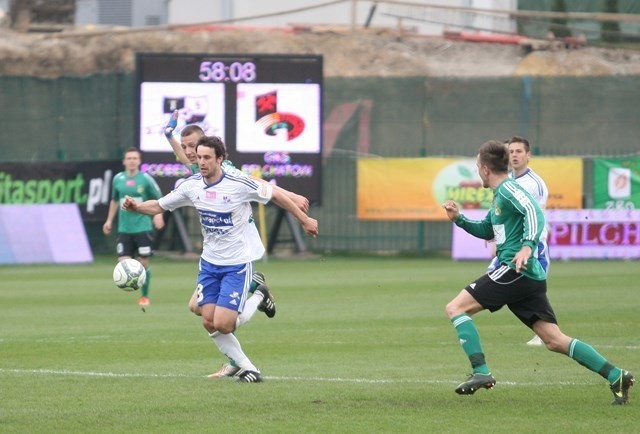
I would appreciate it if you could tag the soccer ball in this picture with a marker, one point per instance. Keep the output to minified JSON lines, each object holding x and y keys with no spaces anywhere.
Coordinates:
{"x":129,"y":275}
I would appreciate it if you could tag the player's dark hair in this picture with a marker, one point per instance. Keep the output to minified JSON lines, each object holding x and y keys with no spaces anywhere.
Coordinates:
{"x":518,"y":139}
{"x":132,"y":149}
{"x":215,"y":143}
{"x":494,"y":155}
{"x":191,"y":129}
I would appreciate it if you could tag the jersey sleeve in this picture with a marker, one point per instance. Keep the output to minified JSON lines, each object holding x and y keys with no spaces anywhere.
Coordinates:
{"x":252,"y":190}
{"x":154,"y":189}
{"x":177,"y":198}
{"x":478,"y":228}
{"x":115,"y":194}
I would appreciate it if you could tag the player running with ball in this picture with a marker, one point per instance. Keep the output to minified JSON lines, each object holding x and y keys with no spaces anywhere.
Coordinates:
{"x":230,"y":243}
{"x":185,"y":151}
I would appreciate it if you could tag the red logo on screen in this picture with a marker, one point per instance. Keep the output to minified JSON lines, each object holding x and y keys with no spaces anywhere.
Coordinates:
{"x":273,"y":122}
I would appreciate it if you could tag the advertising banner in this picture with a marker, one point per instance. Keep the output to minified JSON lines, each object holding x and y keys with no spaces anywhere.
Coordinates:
{"x":616,"y":183}
{"x":87,"y":184}
{"x":43,"y":234}
{"x":573,"y":234}
{"x":414,"y":188}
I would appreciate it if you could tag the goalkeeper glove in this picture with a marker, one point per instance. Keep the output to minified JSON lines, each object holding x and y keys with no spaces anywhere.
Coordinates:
{"x":173,"y":122}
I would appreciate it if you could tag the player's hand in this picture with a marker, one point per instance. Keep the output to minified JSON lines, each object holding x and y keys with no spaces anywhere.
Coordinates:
{"x":521,"y":258}
{"x":310,"y":226}
{"x":106,"y":228}
{"x":158,"y":221}
{"x":171,"y":125}
{"x":129,"y":204}
{"x":301,"y":202}
{"x":452,"y":210}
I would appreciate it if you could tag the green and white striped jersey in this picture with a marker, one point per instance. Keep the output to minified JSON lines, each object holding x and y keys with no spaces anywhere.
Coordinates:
{"x":514,"y":220}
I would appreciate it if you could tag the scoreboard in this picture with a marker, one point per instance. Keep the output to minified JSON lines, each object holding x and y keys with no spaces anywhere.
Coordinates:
{"x":266,"y":108}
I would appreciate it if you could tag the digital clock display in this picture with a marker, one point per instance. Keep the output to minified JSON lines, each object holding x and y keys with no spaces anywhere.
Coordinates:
{"x":266,"y":108}
{"x":220,"y":72}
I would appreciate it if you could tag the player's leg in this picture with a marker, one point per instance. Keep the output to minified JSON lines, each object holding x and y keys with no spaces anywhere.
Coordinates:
{"x":268,"y":305}
{"x":193,"y":304}
{"x":459,"y":310}
{"x":620,"y":381}
{"x":257,"y":280}
{"x":144,"y":244}
{"x":543,"y":257}
{"x":126,"y":247}
{"x":229,"y":295}
{"x":252,"y":304}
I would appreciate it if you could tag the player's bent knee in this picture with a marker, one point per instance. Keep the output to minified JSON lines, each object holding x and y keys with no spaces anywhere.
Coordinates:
{"x":452,"y":309}
{"x":195,"y":309}
{"x":208,"y":325}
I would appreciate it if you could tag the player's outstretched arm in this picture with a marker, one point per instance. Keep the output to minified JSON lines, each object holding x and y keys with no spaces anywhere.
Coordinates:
{"x":310,"y":225}
{"x":148,"y":207}
{"x":175,"y":144}
{"x":301,"y":202}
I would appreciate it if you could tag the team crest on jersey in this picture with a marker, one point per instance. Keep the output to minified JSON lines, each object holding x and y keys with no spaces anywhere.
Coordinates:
{"x":226,"y":199}
{"x":140,"y":189}
{"x":497,"y":211}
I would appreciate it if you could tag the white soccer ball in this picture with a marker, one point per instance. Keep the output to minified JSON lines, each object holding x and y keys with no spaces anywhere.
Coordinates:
{"x":129,"y":275}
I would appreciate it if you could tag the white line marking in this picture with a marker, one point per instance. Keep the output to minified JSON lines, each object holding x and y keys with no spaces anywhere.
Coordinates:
{"x":275,"y":378}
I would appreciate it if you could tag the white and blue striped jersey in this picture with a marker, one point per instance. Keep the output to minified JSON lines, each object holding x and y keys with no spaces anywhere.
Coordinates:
{"x":228,"y":228}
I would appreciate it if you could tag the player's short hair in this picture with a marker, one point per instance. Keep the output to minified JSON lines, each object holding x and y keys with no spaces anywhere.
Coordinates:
{"x":494,"y":155}
{"x":518,"y":139}
{"x":191,"y":129}
{"x":215,"y":143}
{"x":132,"y":149}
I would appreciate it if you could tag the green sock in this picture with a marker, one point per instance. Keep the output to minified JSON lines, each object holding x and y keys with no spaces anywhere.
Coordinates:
{"x":145,"y":287}
{"x":588,"y":357}
{"x":470,"y":341}
{"x":253,"y":286}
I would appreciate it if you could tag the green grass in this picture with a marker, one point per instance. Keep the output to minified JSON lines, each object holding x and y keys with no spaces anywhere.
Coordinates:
{"x":359,"y":345}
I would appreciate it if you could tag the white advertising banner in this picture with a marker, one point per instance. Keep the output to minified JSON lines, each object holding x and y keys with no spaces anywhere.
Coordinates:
{"x":573,"y":234}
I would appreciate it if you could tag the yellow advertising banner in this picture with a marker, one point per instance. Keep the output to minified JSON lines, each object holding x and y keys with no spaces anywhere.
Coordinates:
{"x":564,"y":179}
{"x":414,"y":188}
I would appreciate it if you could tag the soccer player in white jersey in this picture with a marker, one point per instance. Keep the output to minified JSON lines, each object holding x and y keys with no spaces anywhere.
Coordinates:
{"x":519,"y":156}
{"x":228,"y":229}
{"x":185,"y":151}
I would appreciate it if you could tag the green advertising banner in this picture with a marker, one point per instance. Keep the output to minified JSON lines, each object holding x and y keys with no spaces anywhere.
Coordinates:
{"x":616,"y":183}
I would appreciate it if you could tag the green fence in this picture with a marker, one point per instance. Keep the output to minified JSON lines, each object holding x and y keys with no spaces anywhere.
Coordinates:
{"x":91,"y":118}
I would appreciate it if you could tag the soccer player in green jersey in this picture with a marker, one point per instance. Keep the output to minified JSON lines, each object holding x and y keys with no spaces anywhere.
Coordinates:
{"x":135,"y":231}
{"x":515,"y":221}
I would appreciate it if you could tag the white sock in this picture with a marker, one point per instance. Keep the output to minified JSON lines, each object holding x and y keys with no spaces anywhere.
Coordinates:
{"x":250,"y":308}
{"x":229,"y":345}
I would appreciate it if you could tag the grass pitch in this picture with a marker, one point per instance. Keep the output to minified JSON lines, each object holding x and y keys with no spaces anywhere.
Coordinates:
{"x":358,"y":345}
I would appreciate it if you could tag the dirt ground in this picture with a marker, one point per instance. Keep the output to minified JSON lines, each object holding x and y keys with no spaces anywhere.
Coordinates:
{"x":372,"y":52}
